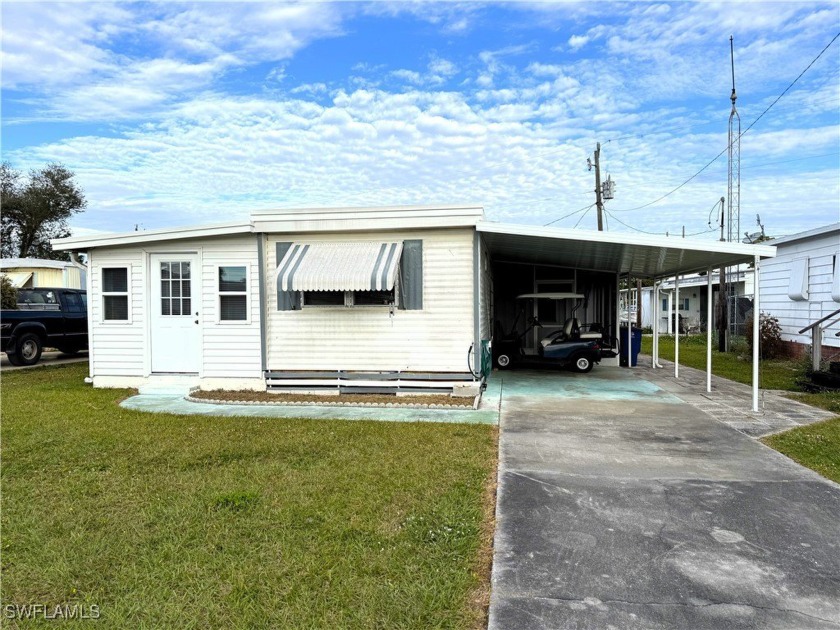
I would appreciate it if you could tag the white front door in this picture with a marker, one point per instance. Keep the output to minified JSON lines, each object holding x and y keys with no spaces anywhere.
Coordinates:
{"x":176,"y":297}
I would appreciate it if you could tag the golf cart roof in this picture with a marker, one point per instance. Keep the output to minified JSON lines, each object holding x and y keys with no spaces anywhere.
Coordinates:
{"x":551,"y":296}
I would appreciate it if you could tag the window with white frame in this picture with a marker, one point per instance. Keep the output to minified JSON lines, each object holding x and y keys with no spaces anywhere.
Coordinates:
{"x":115,"y":294}
{"x":664,"y":304}
{"x":233,"y":293}
{"x":684,"y":304}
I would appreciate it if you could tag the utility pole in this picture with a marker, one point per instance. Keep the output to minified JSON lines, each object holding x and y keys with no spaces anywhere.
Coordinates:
{"x":722,"y":324}
{"x":598,"y":201}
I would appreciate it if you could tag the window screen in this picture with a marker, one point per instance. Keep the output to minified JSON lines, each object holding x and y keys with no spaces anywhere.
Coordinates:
{"x":115,"y":293}
{"x":323,"y":298}
{"x":233,"y":296}
{"x":373,"y":298}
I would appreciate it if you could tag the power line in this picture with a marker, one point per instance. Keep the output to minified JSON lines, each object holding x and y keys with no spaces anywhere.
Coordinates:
{"x":585,"y":208}
{"x":752,"y":124}
{"x":582,"y":216}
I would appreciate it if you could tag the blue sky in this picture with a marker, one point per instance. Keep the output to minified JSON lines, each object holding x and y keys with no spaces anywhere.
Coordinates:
{"x":174,"y":113}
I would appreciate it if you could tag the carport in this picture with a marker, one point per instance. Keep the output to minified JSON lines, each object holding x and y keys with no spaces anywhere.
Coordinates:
{"x":605,"y":258}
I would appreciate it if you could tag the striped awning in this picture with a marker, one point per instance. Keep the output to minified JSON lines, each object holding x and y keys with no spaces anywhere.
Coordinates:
{"x":368,"y":266}
{"x":18,"y":278}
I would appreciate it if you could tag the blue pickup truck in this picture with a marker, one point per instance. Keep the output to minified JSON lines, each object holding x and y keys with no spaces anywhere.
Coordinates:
{"x":53,"y":318}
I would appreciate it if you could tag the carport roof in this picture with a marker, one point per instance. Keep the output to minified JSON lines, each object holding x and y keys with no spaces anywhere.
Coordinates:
{"x":639,"y":255}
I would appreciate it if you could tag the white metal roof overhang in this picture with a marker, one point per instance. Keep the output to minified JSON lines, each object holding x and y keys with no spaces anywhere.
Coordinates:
{"x":357,"y":266}
{"x":640,"y":256}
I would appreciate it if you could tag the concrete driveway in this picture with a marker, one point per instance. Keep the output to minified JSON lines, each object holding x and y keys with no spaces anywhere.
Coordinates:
{"x":49,"y":357}
{"x":620,"y":505}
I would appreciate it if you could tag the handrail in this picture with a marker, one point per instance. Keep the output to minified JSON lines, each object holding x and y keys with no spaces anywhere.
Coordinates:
{"x":818,"y":322}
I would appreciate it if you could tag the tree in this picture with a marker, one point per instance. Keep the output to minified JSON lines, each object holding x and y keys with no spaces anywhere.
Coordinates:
{"x":8,"y":293}
{"x":37,"y":210}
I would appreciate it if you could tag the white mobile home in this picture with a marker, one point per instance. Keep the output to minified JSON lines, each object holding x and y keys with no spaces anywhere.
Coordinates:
{"x":801,"y":286}
{"x":365,"y":298}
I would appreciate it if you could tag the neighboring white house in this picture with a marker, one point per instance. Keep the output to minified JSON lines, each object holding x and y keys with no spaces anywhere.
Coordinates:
{"x":29,"y":273}
{"x":692,"y":299}
{"x":802,"y":285}
{"x":376,"y":299}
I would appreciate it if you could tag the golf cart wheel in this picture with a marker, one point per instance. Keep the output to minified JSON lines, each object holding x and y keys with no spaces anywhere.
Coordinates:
{"x":583,"y":364}
{"x":503,"y":361}
{"x":28,"y":349}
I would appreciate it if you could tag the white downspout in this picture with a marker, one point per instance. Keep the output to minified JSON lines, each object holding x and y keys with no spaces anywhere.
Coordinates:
{"x":756,"y":341}
{"x":677,"y":332}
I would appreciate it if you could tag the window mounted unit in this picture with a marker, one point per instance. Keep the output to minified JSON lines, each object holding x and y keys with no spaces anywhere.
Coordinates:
{"x":115,"y":294}
{"x":233,"y":293}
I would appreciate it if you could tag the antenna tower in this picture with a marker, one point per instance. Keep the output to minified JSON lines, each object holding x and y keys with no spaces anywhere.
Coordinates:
{"x":733,"y":186}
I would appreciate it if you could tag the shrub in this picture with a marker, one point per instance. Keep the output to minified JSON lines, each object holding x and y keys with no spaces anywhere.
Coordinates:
{"x":770,"y":344}
{"x":8,"y":293}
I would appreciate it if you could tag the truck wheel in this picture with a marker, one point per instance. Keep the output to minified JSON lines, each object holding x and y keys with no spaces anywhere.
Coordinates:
{"x":12,"y":358}
{"x":29,"y":349}
{"x":583,"y":364}
{"x":503,"y":361}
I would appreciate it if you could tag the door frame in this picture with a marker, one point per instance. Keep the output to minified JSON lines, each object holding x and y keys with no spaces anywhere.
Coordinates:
{"x":147,"y":300}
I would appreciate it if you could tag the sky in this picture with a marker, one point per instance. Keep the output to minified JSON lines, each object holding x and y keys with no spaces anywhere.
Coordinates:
{"x":176,"y":114}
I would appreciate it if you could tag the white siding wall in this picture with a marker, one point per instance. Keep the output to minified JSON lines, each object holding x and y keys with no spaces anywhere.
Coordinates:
{"x":775,"y":278}
{"x":229,"y":349}
{"x":118,"y":348}
{"x":436,"y":338}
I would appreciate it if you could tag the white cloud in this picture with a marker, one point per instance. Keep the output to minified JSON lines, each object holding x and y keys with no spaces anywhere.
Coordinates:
{"x":576,"y":42}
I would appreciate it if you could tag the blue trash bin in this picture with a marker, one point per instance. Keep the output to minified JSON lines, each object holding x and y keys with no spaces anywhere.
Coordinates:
{"x":635,"y":346}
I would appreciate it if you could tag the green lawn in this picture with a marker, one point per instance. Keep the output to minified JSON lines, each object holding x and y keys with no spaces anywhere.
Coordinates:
{"x":772,"y":375}
{"x":816,"y":446}
{"x":195,"y":522}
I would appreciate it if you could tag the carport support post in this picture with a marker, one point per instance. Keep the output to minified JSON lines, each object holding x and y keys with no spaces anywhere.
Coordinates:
{"x":629,"y":326}
{"x":654,"y":324}
{"x":677,"y":327}
{"x":756,"y":326}
{"x":709,"y":330}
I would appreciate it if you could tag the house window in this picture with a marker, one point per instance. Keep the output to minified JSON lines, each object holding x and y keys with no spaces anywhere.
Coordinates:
{"x":115,"y":294}
{"x":233,"y":294}
{"x":349,"y":298}
{"x":323,"y":298}
{"x":373,"y":298}
{"x":684,"y":304}
{"x":664,"y":304}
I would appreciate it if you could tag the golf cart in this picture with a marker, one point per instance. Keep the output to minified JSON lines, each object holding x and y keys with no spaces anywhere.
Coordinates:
{"x":573,"y":346}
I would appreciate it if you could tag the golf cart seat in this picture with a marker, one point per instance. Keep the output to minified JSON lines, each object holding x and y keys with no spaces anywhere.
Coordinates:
{"x":569,"y":331}
{"x":591,"y":331}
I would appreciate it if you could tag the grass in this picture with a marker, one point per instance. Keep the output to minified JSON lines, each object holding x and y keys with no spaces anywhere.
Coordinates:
{"x":816,"y":446}
{"x":194,"y":522}
{"x":780,"y":374}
